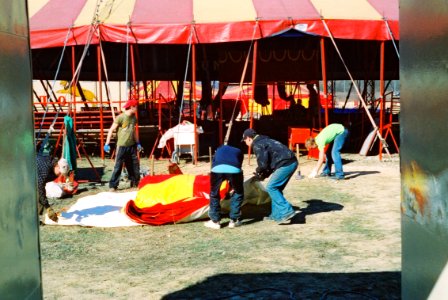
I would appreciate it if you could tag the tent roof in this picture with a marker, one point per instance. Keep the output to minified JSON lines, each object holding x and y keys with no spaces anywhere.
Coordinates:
{"x":54,"y":23}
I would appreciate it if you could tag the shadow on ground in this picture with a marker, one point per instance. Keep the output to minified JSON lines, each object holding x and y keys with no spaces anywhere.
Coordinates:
{"x":371,"y":285}
{"x":315,"y":206}
{"x":354,"y":174}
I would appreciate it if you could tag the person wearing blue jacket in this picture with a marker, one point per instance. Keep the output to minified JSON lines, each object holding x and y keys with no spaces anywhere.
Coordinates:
{"x":226,"y":165}
{"x":275,"y":160}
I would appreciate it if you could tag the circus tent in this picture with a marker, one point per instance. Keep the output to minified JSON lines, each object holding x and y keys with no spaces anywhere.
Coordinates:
{"x":205,"y":21}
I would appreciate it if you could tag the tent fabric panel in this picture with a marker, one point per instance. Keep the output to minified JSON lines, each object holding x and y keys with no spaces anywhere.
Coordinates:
{"x":365,"y":30}
{"x":87,"y":15}
{"x":285,"y":9}
{"x":116,"y":12}
{"x":54,"y":14}
{"x":35,"y":5}
{"x":142,"y":34}
{"x":346,"y":9}
{"x":385,"y":9}
{"x":57,"y":37}
{"x":173,"y":12}
{"x":216,"y":11}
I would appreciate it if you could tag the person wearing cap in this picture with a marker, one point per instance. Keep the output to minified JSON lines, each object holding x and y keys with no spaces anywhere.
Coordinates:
{"x":127,"y":145}
{"x":335,"y":136}
{"x":275,"y":160}
{"x":226,"y":165}
{"x":48,"y":169}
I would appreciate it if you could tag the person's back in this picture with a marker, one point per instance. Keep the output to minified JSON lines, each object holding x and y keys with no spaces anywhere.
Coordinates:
{"x":271,"y":154}
{"x":226,"y":166}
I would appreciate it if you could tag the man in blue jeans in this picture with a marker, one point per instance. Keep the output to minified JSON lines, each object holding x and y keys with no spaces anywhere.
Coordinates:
{"x":226,"y":165}
{"x":128,"y":145}
{"x":334,"y":135}
{"x":276,"y":160}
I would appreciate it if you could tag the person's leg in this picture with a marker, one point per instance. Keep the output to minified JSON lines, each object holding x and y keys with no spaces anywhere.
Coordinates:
{"x":328,"y":160}
{"x":115,"y":178}
{"x":236,"y":181}
{"x":215,"y":208}
{"x":133,"y":166}
{"x":336,"y":154}
{"x":280,"y":207}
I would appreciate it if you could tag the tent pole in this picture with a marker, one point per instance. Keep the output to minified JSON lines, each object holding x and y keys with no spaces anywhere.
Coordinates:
{"x":382,"y":102}
{"x":369,"y":115}
{"x":221,"y":138}
{"x":193,"y":86}
{"x":74,"y":89}
{"x":324,"y":78}
{"x":100,"y":93}
{"x":134,"y":85}
{"x":254,"y":77}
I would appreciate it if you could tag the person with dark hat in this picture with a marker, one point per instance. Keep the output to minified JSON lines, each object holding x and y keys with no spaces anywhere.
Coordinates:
{"x":275,"y":160}
{"x":226,"y":166}
{"x":127,"y":146}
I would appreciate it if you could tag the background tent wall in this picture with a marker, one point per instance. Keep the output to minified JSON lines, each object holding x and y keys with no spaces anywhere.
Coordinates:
{"x":19,"y":252}
{"x":424,"y":163}
{"x":281,"y":58}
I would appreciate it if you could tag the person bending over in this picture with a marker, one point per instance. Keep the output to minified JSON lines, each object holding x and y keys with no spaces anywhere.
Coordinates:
{"x":226,"y":165}
{"x":335,"y":136}
{"x":276,"y":160}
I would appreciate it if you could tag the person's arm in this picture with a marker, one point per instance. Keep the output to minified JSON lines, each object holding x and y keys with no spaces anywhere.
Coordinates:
{"x":111,"y":131}
{"x":319,"y":164}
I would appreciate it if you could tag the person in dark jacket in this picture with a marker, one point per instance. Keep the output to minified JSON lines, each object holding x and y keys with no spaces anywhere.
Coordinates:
{"x":48,"y":169}
{"x":276,"y":160}
{"x":226,"y":165}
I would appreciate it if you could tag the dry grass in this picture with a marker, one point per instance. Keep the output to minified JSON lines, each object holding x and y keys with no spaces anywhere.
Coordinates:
{"x":345,"y":243}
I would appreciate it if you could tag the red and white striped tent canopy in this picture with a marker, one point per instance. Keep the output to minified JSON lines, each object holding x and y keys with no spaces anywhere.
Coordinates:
{"x":54,"y":23}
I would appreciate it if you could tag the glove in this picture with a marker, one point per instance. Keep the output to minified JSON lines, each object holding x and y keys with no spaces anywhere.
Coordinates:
{"x":139,"y":147}
{"x":106,"y":148}
{"x":313,"y":174}
{"x":52,"y":214}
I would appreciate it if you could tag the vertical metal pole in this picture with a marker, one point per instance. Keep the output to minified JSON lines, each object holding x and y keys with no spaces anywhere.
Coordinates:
{"x":324,"y":78}
{"x":254,"y":74}
{"x":221,"y":136}
{"x":382,"y":102}
{"x":74,"y":87}
{"x":134,"y":83}
{"x":100,"y":92}
{"x":193,"y":86}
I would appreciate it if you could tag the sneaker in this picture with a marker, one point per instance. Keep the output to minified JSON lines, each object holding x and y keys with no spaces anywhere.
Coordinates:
{"x":112,"y":190}
{"x":287,"y":218}
{"x":212,"y":225}
{"x":234,"y":224}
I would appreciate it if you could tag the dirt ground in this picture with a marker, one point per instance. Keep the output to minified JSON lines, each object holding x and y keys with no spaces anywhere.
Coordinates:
{"x":344,"y":244}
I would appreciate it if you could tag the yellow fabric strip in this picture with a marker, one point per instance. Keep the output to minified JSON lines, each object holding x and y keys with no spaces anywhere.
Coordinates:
{"x":217,"y":11}
{"x":35,"y":5}
{"x":166,"y":192}
{"x":346,"y":9}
